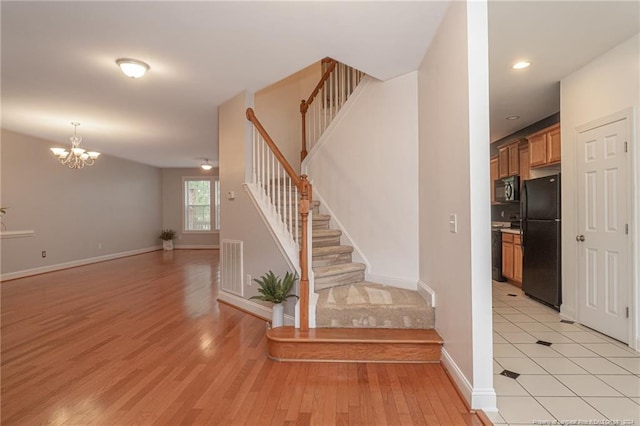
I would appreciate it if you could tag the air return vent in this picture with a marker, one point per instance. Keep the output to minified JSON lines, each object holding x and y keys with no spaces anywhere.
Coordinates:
{"x":231,"y":278}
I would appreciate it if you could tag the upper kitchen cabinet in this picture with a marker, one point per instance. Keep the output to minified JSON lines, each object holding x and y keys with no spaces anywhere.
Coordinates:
{"x":508,"y":160}
{"x":544,"y":147}
{"x":494,"y":173}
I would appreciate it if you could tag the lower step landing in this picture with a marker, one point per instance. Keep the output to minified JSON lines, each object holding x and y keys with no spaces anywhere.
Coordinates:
{"x":354,"y":345}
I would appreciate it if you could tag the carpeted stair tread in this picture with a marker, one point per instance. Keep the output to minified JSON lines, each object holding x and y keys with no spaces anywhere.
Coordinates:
{"x":331,"y":270}
{"x":370,"y":305}
{"x":326,"y":233}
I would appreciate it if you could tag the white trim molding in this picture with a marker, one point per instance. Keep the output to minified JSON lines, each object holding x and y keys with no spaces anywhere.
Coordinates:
{"x":16,"y":234}
{"x":254,"y":308}
{"x":196,"y":247}
{"x":74,"y":263}
{"x":427,"y":293}
{"x":484,"y":399}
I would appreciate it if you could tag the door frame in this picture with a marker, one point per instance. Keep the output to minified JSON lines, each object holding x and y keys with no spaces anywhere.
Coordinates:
{"x":632,"y":208}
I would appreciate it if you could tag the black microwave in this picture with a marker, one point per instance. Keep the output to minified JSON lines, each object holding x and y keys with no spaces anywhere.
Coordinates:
{"x":507,"y":190}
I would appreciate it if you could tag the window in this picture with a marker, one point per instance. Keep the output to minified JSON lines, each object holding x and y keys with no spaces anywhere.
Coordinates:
{"x":199,"y":212}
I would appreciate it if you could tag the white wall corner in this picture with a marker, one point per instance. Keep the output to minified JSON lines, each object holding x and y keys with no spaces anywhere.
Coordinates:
{"x":250,"y":306}
{"x":427,"y":293}
{"x":73,"y":264}
{"x":478,"y":398}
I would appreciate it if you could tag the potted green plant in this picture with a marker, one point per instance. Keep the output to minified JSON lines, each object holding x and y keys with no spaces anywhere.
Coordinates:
{"x":275,"y":290}
{"x":167,"y":236}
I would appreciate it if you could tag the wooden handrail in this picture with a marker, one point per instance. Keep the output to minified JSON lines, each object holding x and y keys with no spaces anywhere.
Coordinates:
{"x":251,"y":116}
{"x":304,"y":105}
{"x":306,"y":194}
{"x":316,"y":90}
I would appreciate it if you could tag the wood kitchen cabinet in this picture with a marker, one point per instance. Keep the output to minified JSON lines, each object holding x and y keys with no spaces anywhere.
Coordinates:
{"x":507,"y":255}
{"x":512,"y":258}
{"x":517,"y":259}
{"x":494,"y":173}
{"x":544,"y":147}
{"x":508,"y":160}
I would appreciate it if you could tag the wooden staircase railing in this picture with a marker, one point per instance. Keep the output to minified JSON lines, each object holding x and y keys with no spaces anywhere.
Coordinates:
{"x":337,"y":83}
{"x":273,"y":173}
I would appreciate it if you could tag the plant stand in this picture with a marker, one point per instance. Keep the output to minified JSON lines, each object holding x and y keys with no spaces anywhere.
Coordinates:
{"x":167,"y":244}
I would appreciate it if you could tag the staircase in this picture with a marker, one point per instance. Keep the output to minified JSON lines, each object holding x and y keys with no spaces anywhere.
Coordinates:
{"x":355,"y":320}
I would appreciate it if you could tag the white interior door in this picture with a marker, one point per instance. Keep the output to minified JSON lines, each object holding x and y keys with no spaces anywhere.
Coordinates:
{"x":603,"y":217}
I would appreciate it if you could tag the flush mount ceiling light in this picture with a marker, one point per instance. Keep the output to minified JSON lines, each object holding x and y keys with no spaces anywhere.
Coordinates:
{"x":75,"y":158}
{"x":132,"y":67}
{"x":521,"y":65}
{"x":512,"y":117}
{"x":206,"y":165}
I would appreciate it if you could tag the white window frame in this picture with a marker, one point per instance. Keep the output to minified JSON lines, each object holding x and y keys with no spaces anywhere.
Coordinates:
{"x":214,"y":198}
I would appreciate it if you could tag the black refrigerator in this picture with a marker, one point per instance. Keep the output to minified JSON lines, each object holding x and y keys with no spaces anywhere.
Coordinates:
{"x":540,"y":214}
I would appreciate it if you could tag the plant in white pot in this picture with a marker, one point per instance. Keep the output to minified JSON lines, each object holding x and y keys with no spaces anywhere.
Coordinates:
{"x":167,"y":236}
{"x":275,"y":290}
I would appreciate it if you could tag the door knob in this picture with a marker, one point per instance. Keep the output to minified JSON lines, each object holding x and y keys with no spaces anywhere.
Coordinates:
{"x":580,"y":238}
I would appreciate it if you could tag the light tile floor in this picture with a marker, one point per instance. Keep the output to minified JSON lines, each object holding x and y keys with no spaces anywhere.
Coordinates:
{"x":583,"y":377}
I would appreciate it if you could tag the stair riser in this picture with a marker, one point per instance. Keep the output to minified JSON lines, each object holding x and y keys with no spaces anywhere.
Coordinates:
{"x":354,"y":352}
{"x":332,"y":259}
{"x":314,"y":208}
{"x":331,"y":318}
{"x":326,"y":242}
{"x":339,"y":279}
{"x":317,"y":224}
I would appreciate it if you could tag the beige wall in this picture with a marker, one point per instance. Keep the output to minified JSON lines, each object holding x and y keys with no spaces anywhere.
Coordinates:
{"x":278,"y":109}
{"x":366,"y":171}
{"x":454,"y":175}
{"x":112,"y":207}
{"x":240,"y":219}
{"x":606,"y":86}
{"x":173,"y":212}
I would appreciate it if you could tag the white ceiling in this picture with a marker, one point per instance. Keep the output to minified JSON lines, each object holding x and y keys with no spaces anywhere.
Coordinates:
{"x":58,"y":61}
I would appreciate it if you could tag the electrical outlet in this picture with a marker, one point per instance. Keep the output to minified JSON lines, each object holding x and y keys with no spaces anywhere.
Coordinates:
{"x":99,"y":245}
{"x":249,"y":280}
{"x":44,"y":253}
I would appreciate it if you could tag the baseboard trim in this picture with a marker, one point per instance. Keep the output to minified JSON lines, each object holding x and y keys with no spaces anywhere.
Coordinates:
{"x":75,"y":263}
{"x":427,"y":293}
{"x":478,"y":399}
{"x":457,"y":376}
{"x":196,"y":247}
{"x":250,"y":307}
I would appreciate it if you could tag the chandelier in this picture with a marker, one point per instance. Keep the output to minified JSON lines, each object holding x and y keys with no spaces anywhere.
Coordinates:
{"x":75,"y":158}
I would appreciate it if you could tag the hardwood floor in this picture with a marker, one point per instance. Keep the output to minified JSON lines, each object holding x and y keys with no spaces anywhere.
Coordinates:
{"x":142,"y":340}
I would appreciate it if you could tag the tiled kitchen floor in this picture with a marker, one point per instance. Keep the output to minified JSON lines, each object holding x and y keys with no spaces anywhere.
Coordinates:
{"x":582,"y":377}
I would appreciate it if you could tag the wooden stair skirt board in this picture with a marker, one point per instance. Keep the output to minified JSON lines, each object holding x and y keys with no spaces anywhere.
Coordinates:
{"x":354,"y":345}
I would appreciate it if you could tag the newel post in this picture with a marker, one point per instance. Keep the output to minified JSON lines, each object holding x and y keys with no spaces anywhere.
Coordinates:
{"x":305,"y":198}
{"x":303,"y":111}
